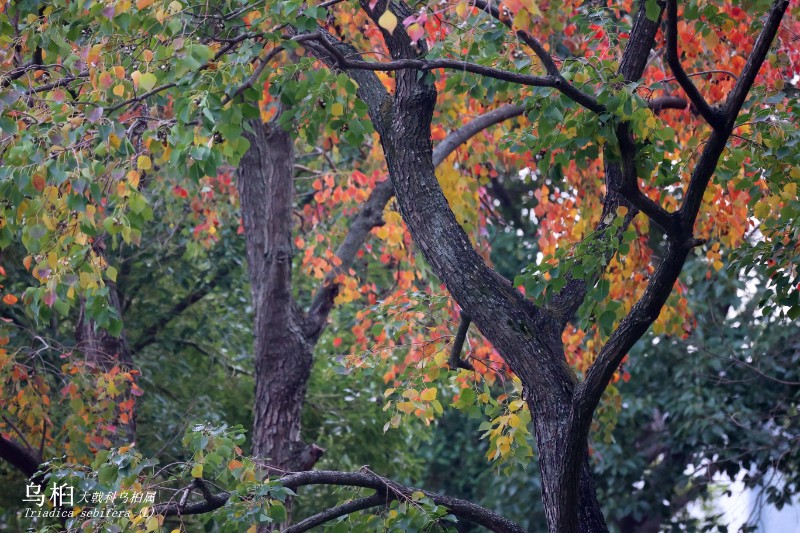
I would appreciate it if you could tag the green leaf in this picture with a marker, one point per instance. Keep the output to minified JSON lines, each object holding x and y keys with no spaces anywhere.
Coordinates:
{"x":277,"y":512}
{"x":652,"y":10}
{"x":147,"y":81}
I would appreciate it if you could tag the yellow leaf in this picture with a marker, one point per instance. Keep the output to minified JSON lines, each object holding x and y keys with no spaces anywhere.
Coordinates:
{"x":762,"y":210}
{"x":395,"y":237}
{"x":114,"y":141}
{"x":532,"y":8}
{"x":789,"y":192}
{"x":197,"y":471}
{"x":382,"y":233}
{"x":133,"y":179}
{"x":119,"y":90}
{"x":143,"y":162}
{"x":522,"y":20}
{"x":428,"y":394}
{"x":711,"y":39}
{"x":411,"y":394}
{"x":174,"y":7}
{"x":388,"y":21}
{"x":406,"y":407}
{"x":151,"y":524}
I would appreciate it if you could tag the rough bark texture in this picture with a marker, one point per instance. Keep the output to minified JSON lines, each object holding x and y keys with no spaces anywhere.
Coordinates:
{"x":283,"y":356}
{"x":529,"y":338}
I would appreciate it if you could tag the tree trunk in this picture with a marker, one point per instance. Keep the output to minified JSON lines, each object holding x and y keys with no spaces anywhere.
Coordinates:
{"x":104,"y":351}
{"x":283,"y":355}
{"x":527,"y":338}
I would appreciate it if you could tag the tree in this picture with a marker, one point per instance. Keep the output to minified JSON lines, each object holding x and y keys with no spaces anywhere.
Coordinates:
{"x":614,"y":127}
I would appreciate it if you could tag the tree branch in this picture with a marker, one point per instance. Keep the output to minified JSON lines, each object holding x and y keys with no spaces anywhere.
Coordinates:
{"x":344,"y":509}
{"x":458,"y":345}
{"x":734,"y":103}
{"x":20,"y":457}
{"x":564,"y":86}
{"x":713,"y":117}
{"x":667,"y":102}
{"x":588,"y":393}
{"x":387,"y":490}
{"x":668,"y":222}
{"x":371,"y":214}
{"x":620,"y":193}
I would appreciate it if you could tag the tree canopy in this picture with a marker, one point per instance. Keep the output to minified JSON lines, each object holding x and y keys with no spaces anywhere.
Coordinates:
{"x":561,"y":236}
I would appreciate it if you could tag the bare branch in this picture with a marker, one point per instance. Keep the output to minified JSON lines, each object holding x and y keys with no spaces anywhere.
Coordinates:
{"x":667,"y":102}
{"x":458,"y":137}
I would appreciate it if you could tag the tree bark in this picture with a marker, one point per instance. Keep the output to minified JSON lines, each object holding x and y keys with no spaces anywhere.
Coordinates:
{"x":283,"y":355}
{"x":104,"y":351}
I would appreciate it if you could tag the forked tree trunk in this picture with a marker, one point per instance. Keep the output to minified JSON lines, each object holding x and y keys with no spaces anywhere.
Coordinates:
{"x":283,"y":355}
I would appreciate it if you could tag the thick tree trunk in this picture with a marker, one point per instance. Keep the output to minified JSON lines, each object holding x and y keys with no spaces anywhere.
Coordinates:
{"x":283,"y":355}
{"x":528,"y":339}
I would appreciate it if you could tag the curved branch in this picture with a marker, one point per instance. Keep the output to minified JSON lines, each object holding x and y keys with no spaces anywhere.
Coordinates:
{"x":458,"y":137}
{"x":455,"y":353}
{"x":344,"y":509}
{"x":629,"y":188}
{"x":387,"y":490}
{"x":371,"y":214}
{"x":713,"y":117}
{"x":457,"y":507}
{"x":646,"y":310}
{"x":550,"y":66}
